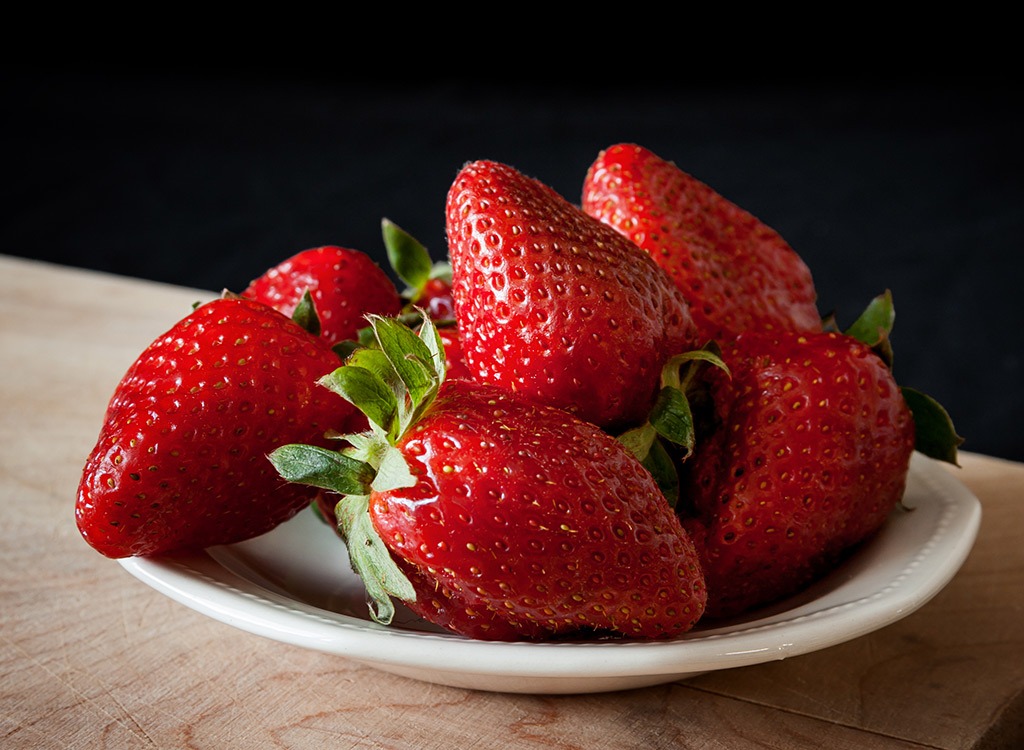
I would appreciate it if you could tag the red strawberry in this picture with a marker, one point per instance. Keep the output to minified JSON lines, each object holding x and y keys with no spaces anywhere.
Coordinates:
{"x":494,"y":516}
{"x":554,"y":305}
{"x":181,"y":459}
{"x":436,"y":299}
{"x":452,"y":342}
{"x":735,"y":272}
{"x":344,"y":284}
{"x":808,"y":457}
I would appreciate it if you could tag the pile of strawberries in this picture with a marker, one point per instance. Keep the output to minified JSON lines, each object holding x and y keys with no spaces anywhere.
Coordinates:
{"x":616,"y":418}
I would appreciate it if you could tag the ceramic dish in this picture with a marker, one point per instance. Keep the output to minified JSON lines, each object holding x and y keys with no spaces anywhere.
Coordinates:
{"x":294,"y":585}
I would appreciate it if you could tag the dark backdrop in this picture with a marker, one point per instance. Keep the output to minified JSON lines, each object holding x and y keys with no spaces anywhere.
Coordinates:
{"x":206,"y":178}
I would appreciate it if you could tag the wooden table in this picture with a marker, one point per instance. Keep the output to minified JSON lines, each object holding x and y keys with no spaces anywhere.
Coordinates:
{"x":92,"y":658}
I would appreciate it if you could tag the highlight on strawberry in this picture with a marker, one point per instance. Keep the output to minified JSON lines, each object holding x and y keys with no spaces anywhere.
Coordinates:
{"x":619,"y":419}
{"x":492,"y":515}
{"x":554,"y":304}
{"x":180,"y":461}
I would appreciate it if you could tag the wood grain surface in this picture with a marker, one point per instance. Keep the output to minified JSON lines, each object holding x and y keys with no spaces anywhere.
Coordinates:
{"x":92,"y":658}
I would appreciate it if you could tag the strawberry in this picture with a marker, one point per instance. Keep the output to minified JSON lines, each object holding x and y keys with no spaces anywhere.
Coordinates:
{"x":735,"y":272}
{"x":436,"y":299}
{"x":808,"y":456}
{"x":451,"y":340}
{"x":344,"y":285}
{"x":180,"y":461}
{"x":494,"y":516}
{"x":555,"y":305}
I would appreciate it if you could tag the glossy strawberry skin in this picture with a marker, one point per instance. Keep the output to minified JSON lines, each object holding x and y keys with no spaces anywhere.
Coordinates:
{"x":736,"y":273}
{"x":436,"y":300}
{"x":180,"y":461}
{"x":451,"y":340}
{"x":527,"y":523}
{"x":345,"y":285}
{"x":809,"y":457}
{"x":555,"y":305}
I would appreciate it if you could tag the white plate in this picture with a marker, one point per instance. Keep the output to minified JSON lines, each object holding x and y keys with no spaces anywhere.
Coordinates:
{"x":294,"y":585}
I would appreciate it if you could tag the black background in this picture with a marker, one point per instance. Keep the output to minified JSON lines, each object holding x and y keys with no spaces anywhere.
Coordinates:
{"x":207,"y":177}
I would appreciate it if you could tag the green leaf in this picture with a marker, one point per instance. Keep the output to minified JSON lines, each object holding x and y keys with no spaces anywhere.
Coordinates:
{"x":410,"y":357}
{"x":643,"y":443}
{"x":661,"y":466}
{"x":428,"y":333}
{"x":407,"y":256}
{"x":936,"y":436}
{"x":305,"y":314}
{"x":876,"y":322}
{"x":672,"y":419}
{"x":371,"y":559}
{"x":396,"y":379}
{"x":393,"y":472}
{"x":368,"y":447}
{"x":323,"y":468}
{"x":365,"y":336}
{"x":875,"y":325}
{"x":366,"y":390}
{"x":374,"y":360}
{"x":638,"y":440}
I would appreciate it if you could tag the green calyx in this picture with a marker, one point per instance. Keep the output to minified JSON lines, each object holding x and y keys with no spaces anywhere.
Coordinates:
{"x":305,"y":314}
{"x":392,"y":380}
{"x":671,"y":419}
{"x":874,"y":326}
{"x":935,"y":435}
{"x":411,"y":261}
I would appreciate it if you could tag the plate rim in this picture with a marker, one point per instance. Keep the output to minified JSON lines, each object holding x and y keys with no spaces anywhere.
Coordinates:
{"x":201,"y":583}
